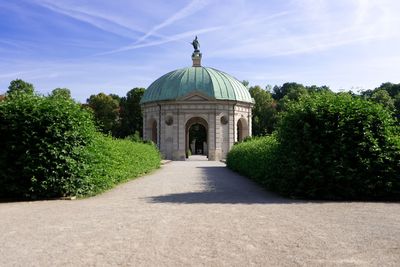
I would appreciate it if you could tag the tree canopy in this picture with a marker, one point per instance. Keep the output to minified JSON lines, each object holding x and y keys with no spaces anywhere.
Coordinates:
{"x":20,"y":86}
{"x":106,"y":112}
{"x":264,"y":111}
{"x":61,"y":92}
{"x":131,"y":113}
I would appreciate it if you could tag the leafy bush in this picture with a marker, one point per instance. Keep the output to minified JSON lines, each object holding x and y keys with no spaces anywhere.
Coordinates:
{"x":135,"y":137}
{"x":50,"y":148}
{"x":252,"y":157}
{"x":42,"y":146}
{"x":328,"y":147}
{"x":113,"y":161}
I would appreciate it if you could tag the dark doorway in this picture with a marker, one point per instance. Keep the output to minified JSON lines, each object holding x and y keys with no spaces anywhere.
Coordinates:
{"x":197,"y":139}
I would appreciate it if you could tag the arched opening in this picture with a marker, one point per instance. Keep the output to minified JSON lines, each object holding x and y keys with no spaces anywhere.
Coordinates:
{"x":153,"y":131}
{"x":196,"y":137}
{"x":242,"y":130}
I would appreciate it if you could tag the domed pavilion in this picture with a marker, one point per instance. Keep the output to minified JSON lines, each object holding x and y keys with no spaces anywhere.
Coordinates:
{"x":196,"y":111}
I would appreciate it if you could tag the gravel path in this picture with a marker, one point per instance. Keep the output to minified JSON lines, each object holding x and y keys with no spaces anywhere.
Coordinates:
{"x":197,"y":213}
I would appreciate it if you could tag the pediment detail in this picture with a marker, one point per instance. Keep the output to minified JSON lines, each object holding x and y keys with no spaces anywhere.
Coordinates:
{"x":195,"y":96}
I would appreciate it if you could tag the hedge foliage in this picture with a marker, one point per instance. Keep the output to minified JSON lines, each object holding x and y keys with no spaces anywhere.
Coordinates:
{"x":250,"y":158}
{"x":113,"y":161}
{"x":50,"y":148}
{"x":327,"y":146}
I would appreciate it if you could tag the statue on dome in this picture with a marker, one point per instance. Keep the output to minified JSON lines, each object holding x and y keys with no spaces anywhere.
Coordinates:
{"x":196,"y":45}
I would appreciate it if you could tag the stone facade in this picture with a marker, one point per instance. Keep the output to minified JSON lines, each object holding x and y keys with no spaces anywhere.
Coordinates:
{"x":167,"y":124}
{"x":204,"y":105}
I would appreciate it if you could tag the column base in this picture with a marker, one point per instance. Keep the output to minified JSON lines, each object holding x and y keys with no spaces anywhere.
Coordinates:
{"x":214,"y":154}
{"x":179,"y":155}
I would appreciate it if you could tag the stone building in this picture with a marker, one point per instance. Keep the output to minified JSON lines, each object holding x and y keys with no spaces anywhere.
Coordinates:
{"x":196,"y":110}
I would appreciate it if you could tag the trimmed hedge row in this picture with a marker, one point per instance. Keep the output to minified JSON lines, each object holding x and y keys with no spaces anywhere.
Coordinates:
{"x":112,"y":161}
{"x":50,"y":148}
{"x":327,"y":146}
{"x":252,"y":157}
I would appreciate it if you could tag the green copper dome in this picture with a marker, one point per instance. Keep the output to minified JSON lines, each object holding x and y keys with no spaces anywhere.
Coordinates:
{"x":210,"y":82}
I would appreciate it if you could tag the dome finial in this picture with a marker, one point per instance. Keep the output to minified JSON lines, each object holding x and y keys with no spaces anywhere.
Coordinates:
{"x":196,"y":56}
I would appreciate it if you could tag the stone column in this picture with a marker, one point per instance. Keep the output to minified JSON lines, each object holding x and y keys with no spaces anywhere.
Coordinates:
{"x":180,"y":153}
{"x":212,"y":150}
{"x":218,"y":136}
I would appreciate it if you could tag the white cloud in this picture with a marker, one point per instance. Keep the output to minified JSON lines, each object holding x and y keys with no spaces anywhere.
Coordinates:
{"x":193,"y":7}
{"x":107,"y":23}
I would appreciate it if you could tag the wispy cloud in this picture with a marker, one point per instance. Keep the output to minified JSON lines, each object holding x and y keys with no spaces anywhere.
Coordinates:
{"x":103,"y":22}
{"x":314,"y":28}
{"x":164,"y":40}
{"x":183,"y":35}
{"x":193,"y":7}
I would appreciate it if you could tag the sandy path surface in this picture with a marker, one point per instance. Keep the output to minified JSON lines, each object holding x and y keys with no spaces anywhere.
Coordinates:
{"x":197,"y":213}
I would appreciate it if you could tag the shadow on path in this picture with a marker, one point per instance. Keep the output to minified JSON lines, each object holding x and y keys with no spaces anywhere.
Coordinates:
{"x":223,"y":186}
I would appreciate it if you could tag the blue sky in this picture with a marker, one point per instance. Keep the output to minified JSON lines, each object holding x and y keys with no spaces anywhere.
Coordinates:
{"x":113,"y":46}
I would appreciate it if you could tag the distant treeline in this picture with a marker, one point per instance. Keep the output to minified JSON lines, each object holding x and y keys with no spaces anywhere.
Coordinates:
{"x":271,"y":101}
{"x":122,"y":116}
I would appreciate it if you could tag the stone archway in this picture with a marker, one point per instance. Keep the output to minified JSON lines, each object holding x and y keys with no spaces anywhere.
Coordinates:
{"x":152,"y":131}
{"x":242,"y":129}
{"x":196,"y":128}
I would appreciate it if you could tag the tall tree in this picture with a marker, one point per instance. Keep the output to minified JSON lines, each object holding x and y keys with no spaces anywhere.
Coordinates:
{"x":383,"y":97}
{"x":245,"y":83}
{"x":387,"y":94}
{"x":264,"y":111}
{"x":318,"y":89}
{"x":289,"y":92}
{"x":61,"y":92}
{"x":20,"y":86}
{"x":279,"y":92}
{"x":131,"y":113}
{"x":397,"y":104}
{"x":106,"y":112}
{"x":391,"y":88}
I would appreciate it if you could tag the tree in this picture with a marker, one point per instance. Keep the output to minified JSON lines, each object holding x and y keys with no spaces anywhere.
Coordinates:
{"x":383,"y":97}
{"x":397,"y":104}
{"x":116,"y":97}
{"x":318,"y":89}
{"x":280,"y":92}
{"x":106,"y":112}
{"x":131,"y":113}
{"x":264,"y":111}
{"x":387,"y":94}
{"x":291,"y":92}
{"x":392,"y":89}
{"x":20,"y":86}
{"x":61,"y":92}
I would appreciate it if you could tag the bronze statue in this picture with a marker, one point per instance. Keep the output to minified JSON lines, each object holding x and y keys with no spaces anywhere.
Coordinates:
{"x":196,"y":45}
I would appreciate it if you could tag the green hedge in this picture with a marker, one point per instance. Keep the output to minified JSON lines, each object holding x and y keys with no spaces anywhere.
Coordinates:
{"x":42,"y":147}
{"x":252,"y":158}
{"x":327,"y":147}
{"x":112,"y":161}
{"x":50,"y":148}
